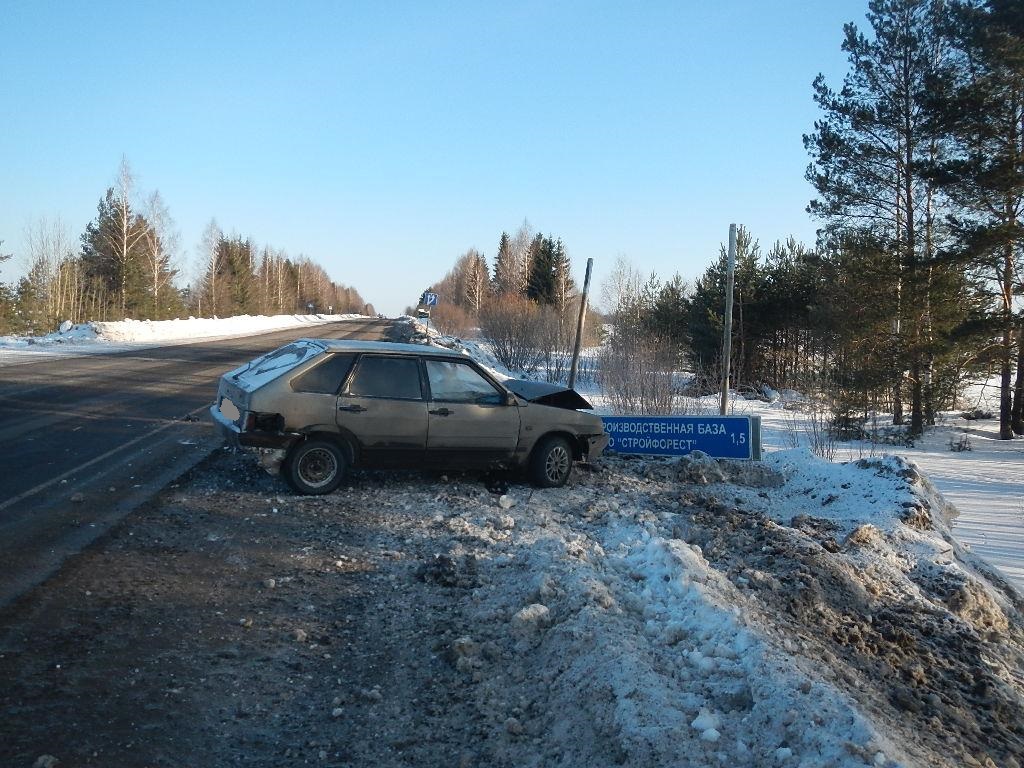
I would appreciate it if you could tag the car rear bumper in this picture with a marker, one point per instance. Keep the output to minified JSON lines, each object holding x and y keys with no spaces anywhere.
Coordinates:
{"x":235,"y":435}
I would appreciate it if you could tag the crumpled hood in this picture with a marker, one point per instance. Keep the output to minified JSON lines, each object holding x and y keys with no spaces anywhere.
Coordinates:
{"x":543,"y":393}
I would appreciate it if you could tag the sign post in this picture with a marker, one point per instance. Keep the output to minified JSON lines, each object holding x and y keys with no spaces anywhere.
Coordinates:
{"x":727,"y":333}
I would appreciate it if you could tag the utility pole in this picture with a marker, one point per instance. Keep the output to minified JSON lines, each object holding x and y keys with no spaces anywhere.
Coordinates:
{"x":730,"y":277}
{"x":579,"y":326}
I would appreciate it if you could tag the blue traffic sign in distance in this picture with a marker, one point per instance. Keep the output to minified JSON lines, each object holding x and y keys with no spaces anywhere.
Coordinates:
{"x":429,"y":299}
{"x":722,"y":437}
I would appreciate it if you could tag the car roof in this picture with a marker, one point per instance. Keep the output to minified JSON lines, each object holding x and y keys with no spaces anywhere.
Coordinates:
{"x":386,"y":347}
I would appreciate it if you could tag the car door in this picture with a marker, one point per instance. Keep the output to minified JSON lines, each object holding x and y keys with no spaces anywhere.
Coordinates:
{"x":382,"y":406}
{"x":470,"y":422}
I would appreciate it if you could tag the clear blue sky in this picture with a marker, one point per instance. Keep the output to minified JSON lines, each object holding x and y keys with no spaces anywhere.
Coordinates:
{"x":383,"y":139}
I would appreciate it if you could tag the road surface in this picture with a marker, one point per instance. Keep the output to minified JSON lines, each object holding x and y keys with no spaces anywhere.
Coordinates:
{"x":87,"y":439}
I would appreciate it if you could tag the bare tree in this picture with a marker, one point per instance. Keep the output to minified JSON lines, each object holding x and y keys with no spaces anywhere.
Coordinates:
{"x":52,"y":277}
{"x":520,"y":261}
{"x":126,"y":236}
{"x":510,"y":324}
{"x":161,"y":242}
{"x":210,"y":253}
{"x":475,"y":280}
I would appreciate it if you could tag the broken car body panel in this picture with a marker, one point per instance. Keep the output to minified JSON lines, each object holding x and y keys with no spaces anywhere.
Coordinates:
{"x":397,"y":405}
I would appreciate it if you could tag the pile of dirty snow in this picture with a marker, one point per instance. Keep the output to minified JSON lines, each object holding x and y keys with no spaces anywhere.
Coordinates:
{"x":695,"y":611}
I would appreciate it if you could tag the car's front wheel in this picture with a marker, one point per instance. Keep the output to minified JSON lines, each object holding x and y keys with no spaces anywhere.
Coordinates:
{"x":551,"y":462}
{"x":315,"y":467}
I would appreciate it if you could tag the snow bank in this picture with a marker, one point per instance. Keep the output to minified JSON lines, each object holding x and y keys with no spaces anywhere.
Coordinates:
{"x":703,"y":612}
{"x":98,"y":337}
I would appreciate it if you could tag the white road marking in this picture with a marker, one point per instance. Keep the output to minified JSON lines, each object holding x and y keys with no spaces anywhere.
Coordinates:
{"x":101,"y":457}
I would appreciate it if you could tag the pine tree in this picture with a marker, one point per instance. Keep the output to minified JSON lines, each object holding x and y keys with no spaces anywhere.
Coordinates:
{"x":541,"y":282}
{"x":980,"y":108}
{"x":113,"y":253}
{"x":869,"y":153}
{"x":505,"y":268}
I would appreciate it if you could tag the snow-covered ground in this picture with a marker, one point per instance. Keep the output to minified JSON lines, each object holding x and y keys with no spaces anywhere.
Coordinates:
{"x":105,"y":337}
{"x":792,"y":612}
{"x":984,"y":483}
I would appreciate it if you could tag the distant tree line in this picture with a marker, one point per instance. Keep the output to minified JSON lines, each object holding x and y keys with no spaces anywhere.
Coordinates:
{"x":526,"y":304}
{"x":126,"y":266}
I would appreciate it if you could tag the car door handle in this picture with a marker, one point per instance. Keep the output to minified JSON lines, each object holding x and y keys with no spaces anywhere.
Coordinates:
{"x":351,"y":408}
{"x":441,"y":412}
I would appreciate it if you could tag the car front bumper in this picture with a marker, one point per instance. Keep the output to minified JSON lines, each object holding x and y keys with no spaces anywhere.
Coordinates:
{"x":596,"y":444}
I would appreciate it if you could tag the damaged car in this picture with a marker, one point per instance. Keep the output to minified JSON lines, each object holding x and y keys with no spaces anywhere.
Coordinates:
{"x":316,"y":407}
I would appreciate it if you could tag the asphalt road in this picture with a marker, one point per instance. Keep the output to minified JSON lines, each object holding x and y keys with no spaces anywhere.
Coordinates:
{"x":85,"y":440}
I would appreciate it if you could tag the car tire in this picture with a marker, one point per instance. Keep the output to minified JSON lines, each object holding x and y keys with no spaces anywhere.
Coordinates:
{"x":551,"y":462}
{"x":315,"y":467}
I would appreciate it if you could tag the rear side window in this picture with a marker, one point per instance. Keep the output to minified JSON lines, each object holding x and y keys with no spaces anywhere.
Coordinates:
{"x":396,"y":378}
{"x":325,"y":378}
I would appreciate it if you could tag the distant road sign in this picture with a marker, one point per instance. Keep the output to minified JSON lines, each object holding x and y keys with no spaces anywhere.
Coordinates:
{"x":429,"y":299}
{"x":723,"y":437}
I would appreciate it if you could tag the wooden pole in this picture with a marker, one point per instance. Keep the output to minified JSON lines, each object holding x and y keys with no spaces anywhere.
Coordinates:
{"x":579,"y":326}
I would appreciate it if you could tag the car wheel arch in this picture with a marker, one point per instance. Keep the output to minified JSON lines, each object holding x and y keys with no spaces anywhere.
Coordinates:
{"x":343,"y":438}
{"x":575,"y":443}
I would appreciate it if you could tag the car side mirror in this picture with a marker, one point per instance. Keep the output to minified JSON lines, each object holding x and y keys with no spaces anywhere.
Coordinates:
{"x":510,"y":399}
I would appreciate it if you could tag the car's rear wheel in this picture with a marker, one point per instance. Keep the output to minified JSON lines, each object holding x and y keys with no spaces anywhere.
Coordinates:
{"x":315,"y":467}
{"x":551,"y":462}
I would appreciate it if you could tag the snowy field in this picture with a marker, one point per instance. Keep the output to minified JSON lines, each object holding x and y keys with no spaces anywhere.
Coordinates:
{"x":985,"y":483}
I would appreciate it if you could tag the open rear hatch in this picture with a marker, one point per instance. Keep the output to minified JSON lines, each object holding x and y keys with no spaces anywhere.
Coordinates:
{"x":543,"y":393}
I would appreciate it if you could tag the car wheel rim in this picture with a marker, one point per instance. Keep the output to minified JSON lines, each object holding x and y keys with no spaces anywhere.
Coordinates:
{"x":318,"y":467}
{"x":557,"y":464}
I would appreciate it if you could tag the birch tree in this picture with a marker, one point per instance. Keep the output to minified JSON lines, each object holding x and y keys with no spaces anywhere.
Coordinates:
{"x":160,"y":241}
{"x":209,"y":250}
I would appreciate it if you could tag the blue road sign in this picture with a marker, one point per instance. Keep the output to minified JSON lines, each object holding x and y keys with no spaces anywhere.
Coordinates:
{"x":429,"y":299}
{"x":723,"y":437}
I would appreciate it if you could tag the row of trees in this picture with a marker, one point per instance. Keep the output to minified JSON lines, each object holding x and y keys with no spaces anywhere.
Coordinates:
{"x":126,"y":265}
{"x":915,"y":284}
{"x":918,"y":162}
{"x":526,"y":306}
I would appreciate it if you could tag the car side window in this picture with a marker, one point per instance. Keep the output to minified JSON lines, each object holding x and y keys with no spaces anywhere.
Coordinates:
{"x":395,"y":378}
{"x":454,"y":382}
{"x":326,"y":377}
